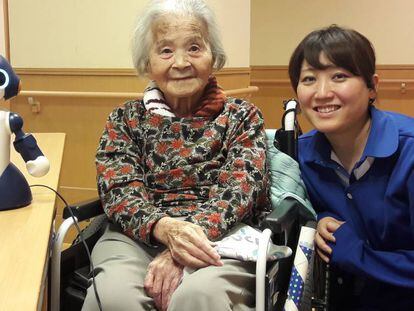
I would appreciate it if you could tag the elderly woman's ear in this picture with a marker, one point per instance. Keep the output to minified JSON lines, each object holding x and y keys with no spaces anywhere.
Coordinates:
{"x":147,"y":69}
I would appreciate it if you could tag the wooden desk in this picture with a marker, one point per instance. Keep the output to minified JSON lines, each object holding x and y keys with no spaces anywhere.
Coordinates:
{"x":25,"y":234}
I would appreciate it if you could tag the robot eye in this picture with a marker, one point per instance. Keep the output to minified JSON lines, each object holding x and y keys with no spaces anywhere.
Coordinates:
{"x":4,"y":79}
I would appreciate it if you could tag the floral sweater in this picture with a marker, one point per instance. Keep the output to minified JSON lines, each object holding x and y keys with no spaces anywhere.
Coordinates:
{"x":209,"y":170}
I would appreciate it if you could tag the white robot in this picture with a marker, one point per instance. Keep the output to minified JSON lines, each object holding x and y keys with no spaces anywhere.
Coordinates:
{"x":14,"y":189}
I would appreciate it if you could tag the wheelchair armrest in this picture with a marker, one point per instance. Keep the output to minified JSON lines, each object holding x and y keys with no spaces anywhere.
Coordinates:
{"x":283,"y":215}
{"x":84,"y":210}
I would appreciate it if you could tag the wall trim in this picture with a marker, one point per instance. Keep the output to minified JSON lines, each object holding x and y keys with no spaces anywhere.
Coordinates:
{"x":110,"y":71}
{"x":395,"y":67}
{"x":270,"y":82}
{"x":379,"y":67}
{"x":392,"y":77}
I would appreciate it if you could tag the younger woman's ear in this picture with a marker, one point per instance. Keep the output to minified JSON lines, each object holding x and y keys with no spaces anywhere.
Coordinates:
{"x":373,"y":89}
{"x":374,"y":81}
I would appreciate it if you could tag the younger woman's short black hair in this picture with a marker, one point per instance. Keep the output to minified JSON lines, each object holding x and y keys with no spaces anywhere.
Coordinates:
{"x":344,"y":47}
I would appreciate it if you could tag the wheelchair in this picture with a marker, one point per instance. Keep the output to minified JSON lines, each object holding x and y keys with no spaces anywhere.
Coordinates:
{"x":277,"y":286}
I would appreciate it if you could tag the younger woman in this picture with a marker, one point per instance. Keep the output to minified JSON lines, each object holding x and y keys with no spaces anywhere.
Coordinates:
{"x":358,"y":166}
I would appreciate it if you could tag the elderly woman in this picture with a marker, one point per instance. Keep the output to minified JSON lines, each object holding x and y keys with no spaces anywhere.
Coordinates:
{"x":176,"y":171}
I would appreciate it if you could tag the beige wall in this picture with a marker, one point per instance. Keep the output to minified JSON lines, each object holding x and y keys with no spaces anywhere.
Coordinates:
{"x":96,"y":34}
{"x":278,"y":26}
{"x":2,"y":30}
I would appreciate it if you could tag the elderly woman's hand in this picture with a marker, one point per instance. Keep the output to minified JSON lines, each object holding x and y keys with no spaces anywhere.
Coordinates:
{"x":162,"y":279}
{"x":187,"y":242}
{"x":324,"y":234}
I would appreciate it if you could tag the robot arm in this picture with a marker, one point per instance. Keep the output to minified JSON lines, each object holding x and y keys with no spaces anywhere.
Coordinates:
{"x":36,"y":163}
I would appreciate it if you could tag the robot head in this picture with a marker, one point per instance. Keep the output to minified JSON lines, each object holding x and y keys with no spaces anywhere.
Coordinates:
{"x":9,"y":81}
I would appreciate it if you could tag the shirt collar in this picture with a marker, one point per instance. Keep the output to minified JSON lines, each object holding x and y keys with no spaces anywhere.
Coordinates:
{"x":382,"y":140}
{"x":383,"y":136}
{"x":319,"y":148}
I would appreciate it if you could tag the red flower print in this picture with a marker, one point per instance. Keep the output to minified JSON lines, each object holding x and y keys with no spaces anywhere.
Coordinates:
{"x":185,"y":152}
{"x":208,"y":133}
{"x":224,"y":177}
{"x":222,"y":120}
{"x":120,"y":207}
{"x":241,"y":211}
{"x":245,"y":187}
{"x":109,"y":148}
{"x":223,"y":204}
{"x":248,"y":143}
{"x":176,"y":128}
{"x":177,"y":143}
{"x":171,"y":197}
{"x":132,"y":210}
{"x":112,"y":135}
{"x":176,"y":173}
{"x":100,"y":168}
{"x":213,"y":233}
{"x":155,"y":120}
{"x":109,"y":174}
{"x":214,"y":218}
{"x":239,"y":163}
{"x":136,"y":184}
{"x":132,"y":123}
{"x":239,"y":175}
{"x":126,"y":169}
{"x":162,"y":147}
{"x":143,"y":232}
{"x":258,"y":162}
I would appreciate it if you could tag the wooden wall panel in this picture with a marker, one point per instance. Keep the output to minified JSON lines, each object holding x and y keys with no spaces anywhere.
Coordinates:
{"x":396,"y":91}
{"x":83,"y":119}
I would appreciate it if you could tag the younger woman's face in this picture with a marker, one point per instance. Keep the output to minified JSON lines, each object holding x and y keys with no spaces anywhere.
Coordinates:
{"x":333,"y":99}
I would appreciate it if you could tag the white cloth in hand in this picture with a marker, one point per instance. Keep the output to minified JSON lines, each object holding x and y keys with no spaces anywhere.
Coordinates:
{"x":242,"y":243}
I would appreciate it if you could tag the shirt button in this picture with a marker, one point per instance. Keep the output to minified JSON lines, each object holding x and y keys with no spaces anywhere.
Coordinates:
{"x":340,"y":281}
{"x":349,"y":196}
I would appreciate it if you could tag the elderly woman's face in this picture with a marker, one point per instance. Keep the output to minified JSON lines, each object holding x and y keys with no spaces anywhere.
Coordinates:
{"x":180,"y":58}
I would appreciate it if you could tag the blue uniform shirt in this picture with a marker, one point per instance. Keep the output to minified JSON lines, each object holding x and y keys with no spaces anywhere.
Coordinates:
{"x":376,"y":201}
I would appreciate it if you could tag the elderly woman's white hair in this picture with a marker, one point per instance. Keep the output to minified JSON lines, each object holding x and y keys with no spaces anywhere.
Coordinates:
{"x":142,"y":41}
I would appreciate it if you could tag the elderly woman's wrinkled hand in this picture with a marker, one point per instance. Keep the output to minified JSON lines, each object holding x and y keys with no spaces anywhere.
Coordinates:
{"x":162,"y":279}
{"x":187,"y":243}
{"x":324,"y":234}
